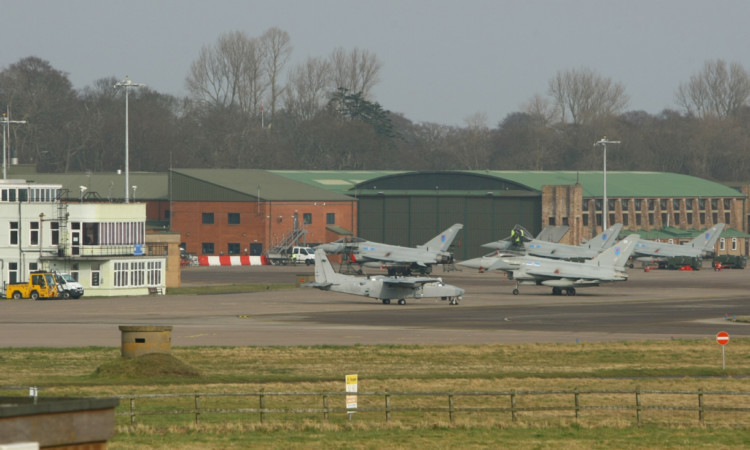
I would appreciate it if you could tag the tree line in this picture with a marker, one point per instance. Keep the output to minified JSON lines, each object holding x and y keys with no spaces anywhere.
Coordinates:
{"x":247,"y":108}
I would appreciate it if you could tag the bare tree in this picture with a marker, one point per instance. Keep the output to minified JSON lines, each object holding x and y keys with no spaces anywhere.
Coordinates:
{"x":718,"y":90}
{"x":230,"y":73}
{"x":586,"y":95}
{"x":472,"y":147}
{"x":308,"y":88}
{"x":277,"y":50}
{"x":355,"y":70}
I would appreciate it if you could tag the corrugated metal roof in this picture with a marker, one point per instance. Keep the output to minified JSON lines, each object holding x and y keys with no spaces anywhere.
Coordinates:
{"x":622,"y":184}
{"x":267,"y":185}
{"x":107,"y":185}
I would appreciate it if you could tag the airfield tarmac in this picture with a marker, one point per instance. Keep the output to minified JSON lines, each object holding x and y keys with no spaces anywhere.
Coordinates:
{"x":659,"y":304}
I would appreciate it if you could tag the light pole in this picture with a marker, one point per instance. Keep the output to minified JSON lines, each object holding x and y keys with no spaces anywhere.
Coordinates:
{"x":603,"y":142}
{"x":127,"y":83}
{"x":6,"y":131}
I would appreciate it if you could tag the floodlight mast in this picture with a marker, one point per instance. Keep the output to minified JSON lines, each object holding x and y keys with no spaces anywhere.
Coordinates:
{"x":127,"y":83}
{"x":603,"y":142}
{"x":6,"y":133}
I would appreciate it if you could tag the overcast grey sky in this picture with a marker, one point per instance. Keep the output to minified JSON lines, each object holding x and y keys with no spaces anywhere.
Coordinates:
{"x":442,"y":60}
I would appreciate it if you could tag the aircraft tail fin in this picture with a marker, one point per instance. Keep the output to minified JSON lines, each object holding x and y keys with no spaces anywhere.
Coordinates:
{"x":324,"y":273}
{"x":605,"y":239}
{"x":707,"y":240}
{"x":618,"y":254}
{"x":442,"y":241}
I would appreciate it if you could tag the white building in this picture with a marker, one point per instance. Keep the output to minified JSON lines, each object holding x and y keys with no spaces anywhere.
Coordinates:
{"x":101,"y":244}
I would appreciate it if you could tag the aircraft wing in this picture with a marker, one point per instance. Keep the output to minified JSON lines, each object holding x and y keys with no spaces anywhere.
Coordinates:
{"x":317,"y":285}
{"x":409,"y":281}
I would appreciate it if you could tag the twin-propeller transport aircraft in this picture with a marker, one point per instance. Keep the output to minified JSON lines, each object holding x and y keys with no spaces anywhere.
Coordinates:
{"x":397,"y":259}
{"x":380,"y":286}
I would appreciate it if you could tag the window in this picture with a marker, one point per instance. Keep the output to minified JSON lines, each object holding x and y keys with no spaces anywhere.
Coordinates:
{"x":675,"y":203}
{"x":651,"y":204}
{"x":651,"y":219}
{"x":233,"y":218}
{"x":551,"y":221}
{"x":722,"y":244}
{"x":727,"y":203}
{"x":91,"y":233}
{"x":663,"y":204}
{"x":95,"y":270}
{"x":585,"y":220}
{"x":233,"y":248}
{"x":565,"y":221}
{"x":701,"y":203}
{"x":703,"y":218}
{"x":611,"y":220}
{"x":715,"y":217}
{"x":330,"y":218}
{"x":688,"y":203}
{"x":13,"y":272}
{"x":598,"y":204}
{"x":14,"y":233}
{"x":664,"y":219}
{"x":599,"y":220}
{"x":727,"y":216}
{"x":625,"y":204}
{"x":153,"y":273}
{"x":638,"y":204}
{"x":689,"y":218}
{"x":207,"y":218}
{"x":625,"y":219}
{"x":55,"y":232}
{"x":121,"y":274}
{"x":611,"y":204}
{"x":137,"y":269}
{"x":734,"y":244}
{"x":167,"y":214}
{"x":34,"y":233}
{"x":207,"y":248}
{"x":585,"y":205}
{"x":676,"y":219}
{"x":638,"y":220}
{"x":307,"y":218}
{"x":714,"y":203}
{"x":33,"y":266}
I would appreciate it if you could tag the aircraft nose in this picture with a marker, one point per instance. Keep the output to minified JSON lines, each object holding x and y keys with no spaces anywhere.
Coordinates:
{"x":475,"y":263}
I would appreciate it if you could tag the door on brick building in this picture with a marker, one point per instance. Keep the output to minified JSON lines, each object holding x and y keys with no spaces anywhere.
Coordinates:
{"x":256,"y":249}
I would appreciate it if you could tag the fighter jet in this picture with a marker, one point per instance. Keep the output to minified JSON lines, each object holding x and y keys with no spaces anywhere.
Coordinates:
{"x":397,"y":260}
{"x":563,"y":276}
{"x":700,"y":247}
{"x":380,"y":286}
{"x":550,"y":233}
{"x":554,"y":250}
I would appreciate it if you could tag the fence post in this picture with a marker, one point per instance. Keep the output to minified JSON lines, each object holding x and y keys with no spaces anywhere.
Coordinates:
{"x":450,"y":407}
{"x":513,"y":405}
{"x":387,"y":406}
{"x":325,"y":407}
{"x":262,"y":403}
{"x":132,"y":411}
{"x":701,"y":418}
{"x":638,"y":405}
{"x":577,"y":393}
{"x":197,"y":408}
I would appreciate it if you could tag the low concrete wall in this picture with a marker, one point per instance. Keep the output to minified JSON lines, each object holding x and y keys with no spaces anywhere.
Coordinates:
{"x":59,"y":422}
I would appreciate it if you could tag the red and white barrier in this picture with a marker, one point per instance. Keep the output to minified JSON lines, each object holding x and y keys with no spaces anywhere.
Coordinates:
{"x":236,"y":260}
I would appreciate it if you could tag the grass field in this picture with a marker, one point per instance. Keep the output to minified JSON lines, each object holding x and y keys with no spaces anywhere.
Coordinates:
{"x":655,"y":365}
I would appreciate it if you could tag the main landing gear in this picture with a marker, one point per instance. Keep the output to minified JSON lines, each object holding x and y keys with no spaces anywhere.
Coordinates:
{"x":555,"y":291}
{"x":387,"y":301}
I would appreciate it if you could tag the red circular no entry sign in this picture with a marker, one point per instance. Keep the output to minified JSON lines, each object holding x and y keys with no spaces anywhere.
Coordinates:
{"x":722,"y":337}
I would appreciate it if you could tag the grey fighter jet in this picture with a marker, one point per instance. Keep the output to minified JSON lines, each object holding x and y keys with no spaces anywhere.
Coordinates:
{"x":562,"y":276}
{"x":379,"y":286}
{"x":700,"y":247}
{"x":555,"y":250}
{"x":397,"y":259}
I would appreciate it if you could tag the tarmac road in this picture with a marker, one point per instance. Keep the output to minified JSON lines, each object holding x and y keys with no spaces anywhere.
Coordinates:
{"x":650,"y":305}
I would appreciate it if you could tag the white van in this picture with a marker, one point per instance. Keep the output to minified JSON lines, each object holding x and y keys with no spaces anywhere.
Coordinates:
{"x":303,"y":255}
{"x":68,"y":287}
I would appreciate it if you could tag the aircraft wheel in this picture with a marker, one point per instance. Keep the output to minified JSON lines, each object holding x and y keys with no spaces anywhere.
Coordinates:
{"x":386,"y":301}
{"x":401,"y":301}
{"x":556,"y":291}
{"x":515,"y":291}
{"x":572,"y":291}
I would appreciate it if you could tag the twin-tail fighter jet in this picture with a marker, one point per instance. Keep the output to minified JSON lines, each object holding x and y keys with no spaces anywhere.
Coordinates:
{"x":555,"y":250}
{"x":397,"y":259}
{"x":564,"y":276}
{"x":381,"y":287}
{"x":700,"y":247}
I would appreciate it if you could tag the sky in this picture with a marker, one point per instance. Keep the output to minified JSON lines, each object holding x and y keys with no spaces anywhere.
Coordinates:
{"x":443,"y":61}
